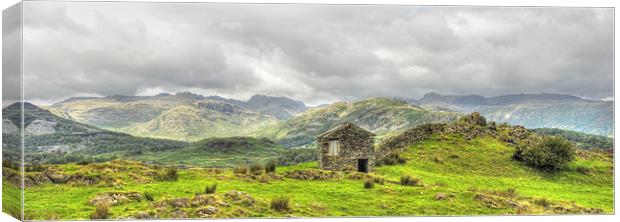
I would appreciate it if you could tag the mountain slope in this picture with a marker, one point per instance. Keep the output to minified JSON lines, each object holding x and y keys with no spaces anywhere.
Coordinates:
{"x":379,"y":115}
{"x":52,"y":139}
{"x":199,"y":120}
{"x":532,"y":110}
{"x":184,"y":115}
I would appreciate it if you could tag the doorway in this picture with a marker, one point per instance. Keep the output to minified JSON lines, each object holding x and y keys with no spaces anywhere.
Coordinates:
{"x":362,"y":165}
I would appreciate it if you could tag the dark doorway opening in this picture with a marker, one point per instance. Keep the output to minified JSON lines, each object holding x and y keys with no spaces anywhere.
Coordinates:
{"x":362,"y":165}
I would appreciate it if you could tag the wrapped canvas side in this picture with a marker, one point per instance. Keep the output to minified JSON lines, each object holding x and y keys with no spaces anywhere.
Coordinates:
{"x":12,"y":113}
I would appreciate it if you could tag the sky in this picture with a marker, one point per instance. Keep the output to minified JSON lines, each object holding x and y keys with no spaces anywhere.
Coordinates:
{"x":313,"y":53}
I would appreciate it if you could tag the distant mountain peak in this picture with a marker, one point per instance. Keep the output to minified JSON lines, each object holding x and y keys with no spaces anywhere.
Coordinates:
{"x":164,"y":94}
{"x":188,"y":95}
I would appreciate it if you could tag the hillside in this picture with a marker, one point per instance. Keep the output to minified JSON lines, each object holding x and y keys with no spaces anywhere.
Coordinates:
{"x":462,"y":168}
{"x":52,"y":139}
{"x":532,"y":110}
{"x":182,"y":116}
{"x":379,"y":115}
{"x":582,"y":140}
{"x":199,"y":120}
{"x":217,"y":152}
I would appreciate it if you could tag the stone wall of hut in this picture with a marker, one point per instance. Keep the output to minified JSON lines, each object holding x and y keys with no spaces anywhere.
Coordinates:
{"x":353,"y":146}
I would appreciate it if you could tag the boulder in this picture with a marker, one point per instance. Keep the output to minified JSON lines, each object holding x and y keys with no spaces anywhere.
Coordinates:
{"x":208,"y":211}
{"x":239,"y":197}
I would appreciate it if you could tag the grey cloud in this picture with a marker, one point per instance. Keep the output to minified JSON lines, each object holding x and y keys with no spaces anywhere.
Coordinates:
{"x":320,"y":52}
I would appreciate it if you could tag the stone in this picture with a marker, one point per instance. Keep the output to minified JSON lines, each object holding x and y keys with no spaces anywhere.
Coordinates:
{"x":56,"y":177}
{"x":240,"y":197}
{"x":203,"y":199}
{"x":208,"y":211}
{"x":178,"y":202}
{"x":115,"y":198}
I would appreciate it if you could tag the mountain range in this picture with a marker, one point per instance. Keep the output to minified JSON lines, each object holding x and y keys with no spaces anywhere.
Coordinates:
{"x":191,"y":117}
{"x":531,"y":110}
{"x":164,"y":127}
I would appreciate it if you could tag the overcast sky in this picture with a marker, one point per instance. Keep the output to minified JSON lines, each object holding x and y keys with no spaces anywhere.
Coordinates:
{"x":313,"y":53}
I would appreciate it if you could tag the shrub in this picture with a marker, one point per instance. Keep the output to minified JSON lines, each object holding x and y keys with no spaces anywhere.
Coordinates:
{"x":256,"y":169}
{"x":171,"y":174}
{"x":408,"y":180}
{"x":148,"y":196}
{"x":544,"y":202}
{"x":241,"y":169}
{"x":379,"y":180}
{"x":438,"y":159}
{"x":392,"y":159}
{"x":280,"y":204}
{"x":10,"y":164}
{"x":584,"y":170}
{"x":102,"y":211}
{"x":510,"y":193}
{"x":546,"y":153}
{"x":369,"y":184}
{"x":209,"y":189}
{"x":270,"y":167}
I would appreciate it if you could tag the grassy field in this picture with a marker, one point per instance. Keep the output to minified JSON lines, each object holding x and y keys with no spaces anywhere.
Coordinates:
{"x":458,"y":177}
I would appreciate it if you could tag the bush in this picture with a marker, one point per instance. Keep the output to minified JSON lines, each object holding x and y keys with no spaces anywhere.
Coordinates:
{"x":438,"y":159}
{"x":408,"y":180}
{"x":392,"y":159}
{"x":241,"y":169}
{"x":171,"y":174}
{"x":510,"y":193}
{"x":544,"y":202}
{"x":270,"y":167}
{"x":546,"y":153}
{"x":148,"y":196}
{"x":35,"y":168}
{"x":379,"y":180}
{"x":211,"y":188}
{"x":10,"y":164}
{"x":102,"y":211}
{"x":584,"y":170}
{"x":369,"y":184}
{"x":256,"y":169}
{"x":280,"y":204}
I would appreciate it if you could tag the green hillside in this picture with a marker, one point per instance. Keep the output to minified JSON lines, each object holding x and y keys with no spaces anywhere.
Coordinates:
{"x":379,"y":115}
{"x":582,"y":140}
{"x":462,"y":168}
{"x":217,"y":152}
{"x":52,"y":139}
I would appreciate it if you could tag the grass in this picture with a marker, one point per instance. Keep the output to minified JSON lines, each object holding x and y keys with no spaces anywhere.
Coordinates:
{"x":11,"y":199}
{"x":482,"y":164}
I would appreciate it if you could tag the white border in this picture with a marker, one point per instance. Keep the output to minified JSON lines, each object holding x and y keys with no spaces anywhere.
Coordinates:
{"x":576,"y":3}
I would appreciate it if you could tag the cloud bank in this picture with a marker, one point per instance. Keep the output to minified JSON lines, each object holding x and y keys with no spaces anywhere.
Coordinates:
{"x":314,"y":53}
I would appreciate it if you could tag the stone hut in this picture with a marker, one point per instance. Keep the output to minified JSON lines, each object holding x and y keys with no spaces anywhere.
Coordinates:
{"x":346,"y":147}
